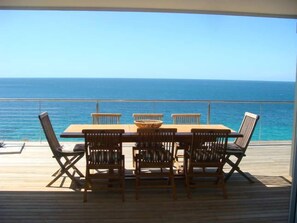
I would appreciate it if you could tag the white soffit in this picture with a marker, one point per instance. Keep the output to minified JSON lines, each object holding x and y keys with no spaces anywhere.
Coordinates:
{"x":270,"y":8}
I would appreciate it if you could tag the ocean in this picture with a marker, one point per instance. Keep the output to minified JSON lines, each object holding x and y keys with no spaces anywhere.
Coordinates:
{"x":18,"y":119}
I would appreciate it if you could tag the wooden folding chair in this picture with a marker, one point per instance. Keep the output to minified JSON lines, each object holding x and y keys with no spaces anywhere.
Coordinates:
{"x":154,"y":159}
{"x":106,"y":118}
{"x":65,"y":158}
{"x":144,"y":117}
{"x":184,"y":118}
{"x":205,"y":159}
{"x":105,"y":163}
{"x":238,"y":148}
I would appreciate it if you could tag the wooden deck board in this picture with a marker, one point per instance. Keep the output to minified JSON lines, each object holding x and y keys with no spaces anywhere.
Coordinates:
{"x":24,"y":196}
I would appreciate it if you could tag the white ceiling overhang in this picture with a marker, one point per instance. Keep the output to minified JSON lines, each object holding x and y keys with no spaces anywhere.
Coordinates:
{"x":270,"y":8}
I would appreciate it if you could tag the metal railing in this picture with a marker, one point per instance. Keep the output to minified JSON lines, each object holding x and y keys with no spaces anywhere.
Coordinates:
{"x":19,"y":116}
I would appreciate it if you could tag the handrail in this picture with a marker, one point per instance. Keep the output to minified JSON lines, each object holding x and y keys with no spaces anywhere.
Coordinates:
{"x":146,"y":100}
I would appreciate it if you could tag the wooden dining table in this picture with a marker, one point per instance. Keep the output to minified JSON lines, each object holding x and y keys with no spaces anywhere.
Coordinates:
{"x":183,"y":134}
{"x":183,"y":131}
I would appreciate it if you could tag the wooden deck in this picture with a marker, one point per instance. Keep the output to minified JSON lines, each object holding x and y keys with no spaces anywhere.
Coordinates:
{"x":24,"y":196}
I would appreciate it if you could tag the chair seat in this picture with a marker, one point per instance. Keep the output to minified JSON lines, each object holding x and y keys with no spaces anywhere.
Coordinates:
{"x":79,"y":147}
{"x":232,"y":148}
{"x":70,"y":149}
{"x":148,"y":145}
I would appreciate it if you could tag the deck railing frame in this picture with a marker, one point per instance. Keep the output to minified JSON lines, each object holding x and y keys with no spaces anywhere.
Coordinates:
{"x":97,"y":102}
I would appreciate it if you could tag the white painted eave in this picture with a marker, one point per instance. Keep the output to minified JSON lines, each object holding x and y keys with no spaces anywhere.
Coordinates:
{"x":271,"y":8}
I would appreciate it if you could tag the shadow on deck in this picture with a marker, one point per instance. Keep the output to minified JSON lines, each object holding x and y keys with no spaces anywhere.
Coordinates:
{"x":24,"y":197}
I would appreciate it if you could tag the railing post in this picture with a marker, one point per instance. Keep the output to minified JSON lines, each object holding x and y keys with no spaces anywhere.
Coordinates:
{"x":97,"y":106}
{"x":260,"y":123}
{"x":208,"y":113}
{"x":40,"y":128}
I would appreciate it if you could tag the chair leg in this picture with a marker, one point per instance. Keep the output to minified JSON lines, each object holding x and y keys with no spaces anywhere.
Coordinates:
{"x":54,"y":180}
{"x":57,"y":172}
{"x":224,"y":189}
{"x":185,"y":169}
{"x":232,"y":165}
{"x":137,"y":183}
{"x":244,"y":175}
{"x":123,"y":190}
{"x":188,"y":182}
{"x":123,"y":179}
{"x":134,"y":150}
{"x":86,"y":187}
{"x":85,"y":195}
{"x":188,"y":187}
{"x":67,"y":162}
{"x":65,"y":170}
{"x":175,"y":153}
{"x":221,"y":183}
{"x":235,"y":167}
{"x":137,"y":180}
{"x":74,"y":167}
{"x":85,"y":198}
{"x":173,"y":183}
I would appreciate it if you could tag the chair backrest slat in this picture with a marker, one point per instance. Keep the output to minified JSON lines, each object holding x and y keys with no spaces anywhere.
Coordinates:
{"x":106,"y":118}
{"x":190,"y":118}
{"x":247,"y":128}
{"x":147,"y":116}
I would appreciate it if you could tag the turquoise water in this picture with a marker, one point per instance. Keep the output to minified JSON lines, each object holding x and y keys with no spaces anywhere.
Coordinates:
{"x":105,"y":88}
{"x":275,"y":122}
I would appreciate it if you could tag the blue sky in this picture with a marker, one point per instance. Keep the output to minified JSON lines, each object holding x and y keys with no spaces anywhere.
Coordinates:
{"x":146,"y":45}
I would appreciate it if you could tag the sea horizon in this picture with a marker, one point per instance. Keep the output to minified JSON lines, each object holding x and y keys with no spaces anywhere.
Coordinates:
{"x":148,"y":78}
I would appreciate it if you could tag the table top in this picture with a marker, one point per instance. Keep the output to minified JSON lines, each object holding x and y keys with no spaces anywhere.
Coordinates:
{"x":75,"y":130}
